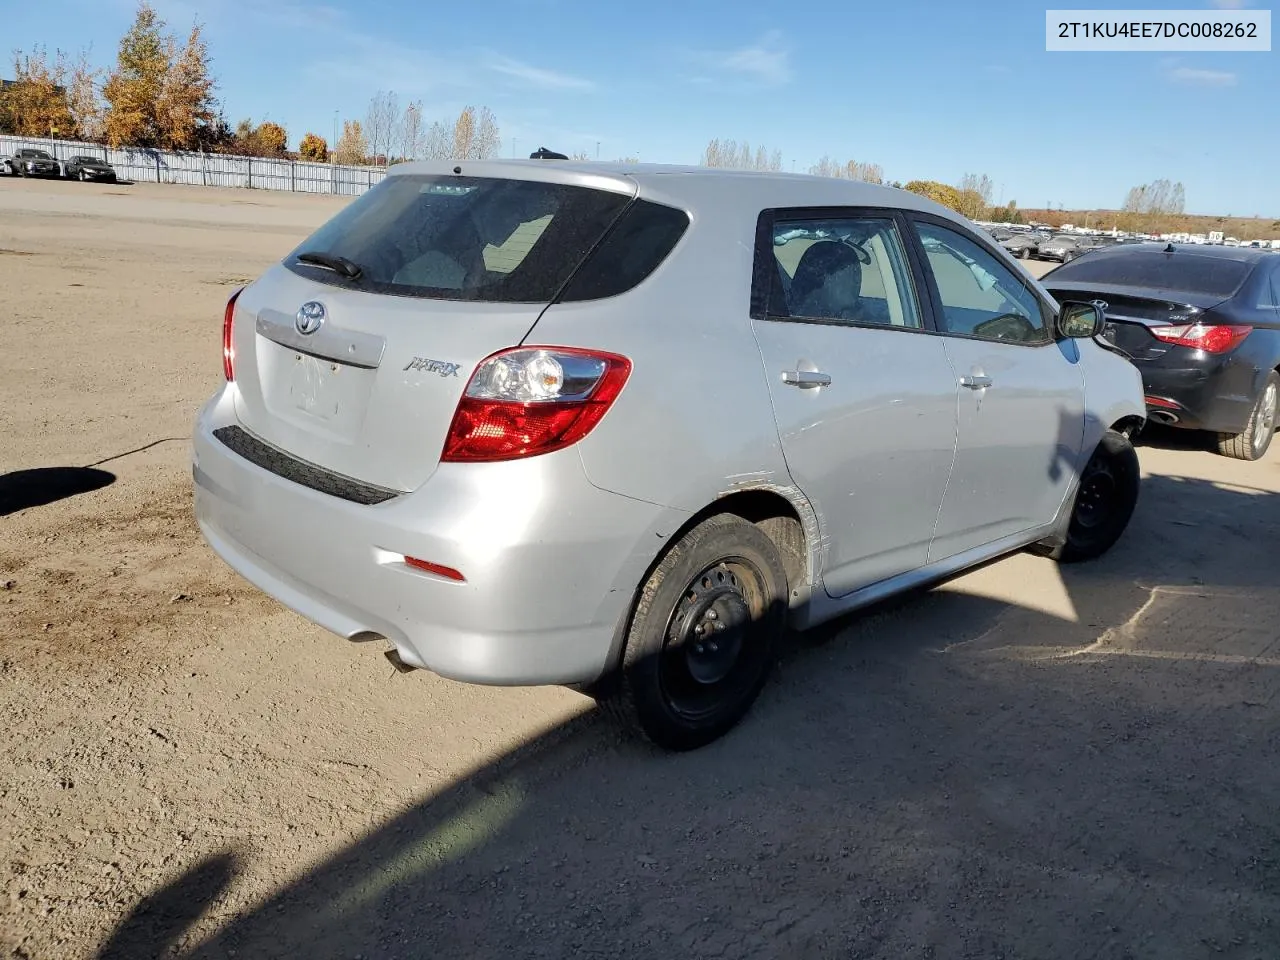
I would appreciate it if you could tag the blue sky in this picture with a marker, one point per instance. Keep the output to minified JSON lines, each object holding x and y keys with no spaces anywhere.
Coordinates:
{"x":928,"y":90}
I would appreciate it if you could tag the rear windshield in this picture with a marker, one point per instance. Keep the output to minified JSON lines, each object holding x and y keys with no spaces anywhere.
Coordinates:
{"x":464,"y":238}
{"x":1186,"y":273}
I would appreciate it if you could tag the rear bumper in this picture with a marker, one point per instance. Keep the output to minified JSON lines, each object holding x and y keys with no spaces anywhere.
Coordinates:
{"x":551,"y":562}
{"x":1217,"y":397}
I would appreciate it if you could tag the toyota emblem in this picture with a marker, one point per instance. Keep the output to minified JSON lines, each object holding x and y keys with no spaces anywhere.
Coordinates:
{"x":310,"y":317}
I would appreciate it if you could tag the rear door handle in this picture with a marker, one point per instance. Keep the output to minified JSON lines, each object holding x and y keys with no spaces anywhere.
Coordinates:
{"x":806,"y":378}
{"x":975,"y":382}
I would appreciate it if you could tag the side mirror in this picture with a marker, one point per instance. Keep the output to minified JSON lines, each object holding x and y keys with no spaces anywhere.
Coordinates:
{"x":1080,"y":321}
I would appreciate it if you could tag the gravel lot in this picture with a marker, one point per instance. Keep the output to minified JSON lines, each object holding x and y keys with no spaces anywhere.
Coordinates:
{"x":1028,"y":762}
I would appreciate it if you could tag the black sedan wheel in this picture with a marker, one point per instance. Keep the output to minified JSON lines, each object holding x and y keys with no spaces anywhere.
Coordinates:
{"x":701,"y":642}
{"x":1254,"y":442}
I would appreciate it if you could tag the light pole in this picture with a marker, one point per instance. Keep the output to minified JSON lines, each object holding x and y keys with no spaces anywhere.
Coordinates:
{"x":597,"y":149}
{"x":333,"y":149}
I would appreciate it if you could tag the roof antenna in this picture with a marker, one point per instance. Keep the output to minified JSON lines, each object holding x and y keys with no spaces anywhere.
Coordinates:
{"x":1169,"y":248}
{"x":542,"y":153}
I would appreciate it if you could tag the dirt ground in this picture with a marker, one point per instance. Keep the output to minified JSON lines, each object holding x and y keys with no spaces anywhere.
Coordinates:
{"x":1028,"y":762}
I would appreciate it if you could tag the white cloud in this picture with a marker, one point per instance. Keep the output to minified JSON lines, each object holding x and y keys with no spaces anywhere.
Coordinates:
{"x":1202,"y":78}
{"x":536,"y":76}
{"x":766,"y":62}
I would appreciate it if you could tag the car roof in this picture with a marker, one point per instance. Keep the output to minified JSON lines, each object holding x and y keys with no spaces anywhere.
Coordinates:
{"x":693,"y":186}
{"x":1214,"y":252}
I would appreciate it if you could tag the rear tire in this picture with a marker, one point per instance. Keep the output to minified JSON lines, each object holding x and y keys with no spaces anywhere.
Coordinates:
{"x":702,"y":637}
{"x":1105,"y":500}
{"x":1255,"y":441}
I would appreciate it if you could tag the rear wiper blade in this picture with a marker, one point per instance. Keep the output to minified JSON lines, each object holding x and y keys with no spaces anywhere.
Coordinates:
{"x":348,"y":268}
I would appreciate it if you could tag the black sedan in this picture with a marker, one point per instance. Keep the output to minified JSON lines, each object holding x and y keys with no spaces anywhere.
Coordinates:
{"x":89,"y":168}
{"x":1202,"y":324}
{"x":1021,"y":245}
{"x":34,"y":163}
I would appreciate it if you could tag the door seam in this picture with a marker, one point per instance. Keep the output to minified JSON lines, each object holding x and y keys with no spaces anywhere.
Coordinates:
{"x":955,"y":452}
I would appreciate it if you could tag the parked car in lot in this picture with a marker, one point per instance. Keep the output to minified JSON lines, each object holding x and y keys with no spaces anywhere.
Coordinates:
{"x":1024,"y":246}
{"x":512,"y":417}
{"x":1202,"y":324}
{"x":89,"y":168}
{"x":1061,"y":248}
{"x":34,"y":163}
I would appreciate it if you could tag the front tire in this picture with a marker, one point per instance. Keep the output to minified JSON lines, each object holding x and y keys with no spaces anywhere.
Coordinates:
{"x":1105,"y":499}
{"x":702,"y":638}
{"x":1255,"y":441}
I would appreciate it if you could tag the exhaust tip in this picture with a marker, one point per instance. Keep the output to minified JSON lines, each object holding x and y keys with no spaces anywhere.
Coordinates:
{"x":394,"y":656}
{"x":1163,"y":416}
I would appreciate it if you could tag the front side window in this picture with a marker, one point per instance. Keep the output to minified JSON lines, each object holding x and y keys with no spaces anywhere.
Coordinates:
{"x":842,"y":270}
{"x":981,"y":297}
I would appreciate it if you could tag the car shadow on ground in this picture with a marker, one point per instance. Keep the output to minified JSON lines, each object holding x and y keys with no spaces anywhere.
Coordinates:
{"x":23,"y":489}
{"x":950,"y":775}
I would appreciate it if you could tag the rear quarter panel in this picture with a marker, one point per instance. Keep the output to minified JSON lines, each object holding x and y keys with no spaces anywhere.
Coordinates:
{"x":695,"y":420}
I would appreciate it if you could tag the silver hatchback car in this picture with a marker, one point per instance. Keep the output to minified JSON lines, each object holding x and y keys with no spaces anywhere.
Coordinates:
{"x":617,"y":427}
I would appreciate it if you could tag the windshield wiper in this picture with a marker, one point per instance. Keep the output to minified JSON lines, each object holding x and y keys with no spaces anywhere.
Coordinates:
{"x":348,"y":268}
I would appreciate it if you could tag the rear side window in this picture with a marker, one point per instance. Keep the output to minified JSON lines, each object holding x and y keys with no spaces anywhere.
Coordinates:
{"x":1184,"y":272}
{"x":463,"y":238}
{"x":640,"y":241}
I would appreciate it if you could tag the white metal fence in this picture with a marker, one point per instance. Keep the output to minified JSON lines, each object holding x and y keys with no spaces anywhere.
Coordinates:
{"x":210,"y":169}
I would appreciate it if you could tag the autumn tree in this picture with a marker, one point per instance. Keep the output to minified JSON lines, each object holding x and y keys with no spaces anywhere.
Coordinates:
{"x":352,"y":147}
{"x":975,"y":195}
{"x":380,"y":122}
{"x":942,"y":193}
{"x":739,"y":156}
{"x":134,"y":89}
{"x":36,"y":104}
{"x":488,"y":139}
{"x":314,"y":147}
{"x":1148,"y":205}
{"x":271,"y":138}
{"x":437,"y":142}
{"x":410,"y":130}
{"x":83,"y":101}
{"x":475,"y":134}
{"x":849,"y":170}
{"x":1009,"y":213}
{"x":185,"y":109}
{"x":464,"y":134}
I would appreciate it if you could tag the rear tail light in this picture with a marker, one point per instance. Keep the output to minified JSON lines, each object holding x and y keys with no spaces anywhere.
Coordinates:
{"x":1160,"y":402}
{"x":532,"y":400}
{"x":228,"y":348}
{"x":1211,"y":338}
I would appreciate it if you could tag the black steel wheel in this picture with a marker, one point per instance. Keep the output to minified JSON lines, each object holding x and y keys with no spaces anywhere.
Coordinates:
{"x":702,"y":637}
{"x":1105,"y":499}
